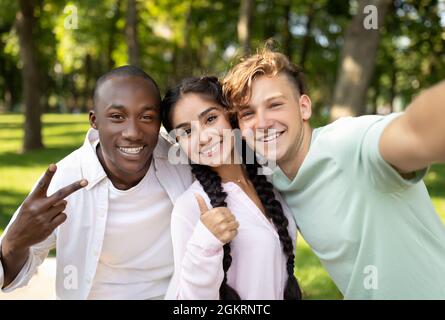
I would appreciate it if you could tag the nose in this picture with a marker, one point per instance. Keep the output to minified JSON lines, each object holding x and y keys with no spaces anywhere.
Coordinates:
{"x":204,"y":137}
{"x":262,"y":121}
{"x":132,"y":131}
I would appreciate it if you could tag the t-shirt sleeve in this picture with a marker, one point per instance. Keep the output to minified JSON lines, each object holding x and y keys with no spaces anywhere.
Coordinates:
{"x":381,"y":174}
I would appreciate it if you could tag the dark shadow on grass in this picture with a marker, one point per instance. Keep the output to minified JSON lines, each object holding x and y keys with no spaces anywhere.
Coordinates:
{"x":67,"y":133}
{"x":19,"y":125}
{"x":436,"y":187}
{"x":15,"y":126}
{"x":9,"y":202}
{"x":321,"y":287}
{"x":36,"y":158}
{"x":59,"y":124}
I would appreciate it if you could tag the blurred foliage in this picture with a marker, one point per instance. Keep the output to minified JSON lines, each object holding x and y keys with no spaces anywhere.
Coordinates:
{"x":178,"y":38}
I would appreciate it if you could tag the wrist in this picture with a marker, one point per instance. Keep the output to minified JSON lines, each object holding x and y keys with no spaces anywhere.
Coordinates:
{"x":9,"y":247}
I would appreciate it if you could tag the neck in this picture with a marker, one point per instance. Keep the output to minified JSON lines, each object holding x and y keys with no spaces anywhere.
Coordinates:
{"x":119,"y":179}
{"x":233,"y":171}
{"x":293,"y":161}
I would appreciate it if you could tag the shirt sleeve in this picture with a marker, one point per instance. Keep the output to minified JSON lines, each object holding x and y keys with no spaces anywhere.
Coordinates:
{"x":37,"y":253}
{"x":198,"y":254}
{"x":382,"y":175}
{"x":36,"y":256}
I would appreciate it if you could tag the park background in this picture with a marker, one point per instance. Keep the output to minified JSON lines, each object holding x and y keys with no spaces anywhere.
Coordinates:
{"x":51,"y":53}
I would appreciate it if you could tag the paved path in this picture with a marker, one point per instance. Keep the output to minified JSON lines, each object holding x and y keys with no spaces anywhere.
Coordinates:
{"x":41,"y":286}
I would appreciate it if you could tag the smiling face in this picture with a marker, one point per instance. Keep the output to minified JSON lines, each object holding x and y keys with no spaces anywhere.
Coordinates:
{"x":202,"y":129}
{"x":126,"y":115}
{"x":272,"y":120}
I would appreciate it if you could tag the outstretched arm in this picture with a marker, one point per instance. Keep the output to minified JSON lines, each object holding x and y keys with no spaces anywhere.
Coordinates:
{"x":416,"y":139}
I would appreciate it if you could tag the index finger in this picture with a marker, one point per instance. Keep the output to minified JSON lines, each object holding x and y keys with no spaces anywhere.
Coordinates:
{"x":66,"y":191}
{"x":42,"y":185}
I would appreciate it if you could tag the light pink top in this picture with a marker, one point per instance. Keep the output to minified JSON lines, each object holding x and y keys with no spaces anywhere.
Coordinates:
{"x":258,"y":269}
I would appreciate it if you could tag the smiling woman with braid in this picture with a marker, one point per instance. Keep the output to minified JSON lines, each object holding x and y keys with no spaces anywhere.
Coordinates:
{"x":233,"y":236}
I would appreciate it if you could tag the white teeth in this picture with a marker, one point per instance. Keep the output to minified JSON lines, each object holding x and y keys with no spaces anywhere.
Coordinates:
{"x":131,"y":150}
{"x":212,"y":150}
{"x":271,"y":137}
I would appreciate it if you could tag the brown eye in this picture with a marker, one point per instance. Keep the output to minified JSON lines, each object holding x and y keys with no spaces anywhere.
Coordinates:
{"x":182,"y":133}
{"x":246,"y":114}
{"x":116,"y":116}
{"x":211,"y":119}
{"x":148,"y":117}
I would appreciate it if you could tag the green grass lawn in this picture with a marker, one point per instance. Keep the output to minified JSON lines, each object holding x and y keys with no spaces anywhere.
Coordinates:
{"x":64,"y":133}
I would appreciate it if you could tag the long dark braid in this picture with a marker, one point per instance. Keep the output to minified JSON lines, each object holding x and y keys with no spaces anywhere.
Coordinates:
{"x":211,"y":183}
{"x":274,"y":211}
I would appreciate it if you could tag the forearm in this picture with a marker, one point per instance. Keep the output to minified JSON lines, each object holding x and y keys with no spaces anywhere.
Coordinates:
{"x":12,"y":260}
{"x":199,"y":270}
{"x":426,"y":119}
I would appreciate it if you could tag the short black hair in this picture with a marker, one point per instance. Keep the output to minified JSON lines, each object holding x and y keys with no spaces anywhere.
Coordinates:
{"x":124,"y":71}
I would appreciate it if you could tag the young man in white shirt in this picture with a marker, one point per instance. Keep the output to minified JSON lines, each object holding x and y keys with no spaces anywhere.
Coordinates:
{"x":111,"y":228}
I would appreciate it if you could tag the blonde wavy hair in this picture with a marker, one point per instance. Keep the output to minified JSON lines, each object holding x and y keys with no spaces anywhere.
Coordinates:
{"x":237,"y":84}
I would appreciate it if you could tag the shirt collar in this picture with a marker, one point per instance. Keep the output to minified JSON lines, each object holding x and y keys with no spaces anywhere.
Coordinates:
{"x":91,"y":167}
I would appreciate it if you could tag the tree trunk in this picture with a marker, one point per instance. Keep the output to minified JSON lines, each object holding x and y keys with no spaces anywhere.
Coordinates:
{"x":392,"y":88}
{"x":89,"y":85}
{"x":357,"y":62}
{"x":112,"y":34}
{"x":375,"y":98}
{"x":307,"y":37}
{"x":26,"y":22}
{"x":270,"y":25}
{"x":183,"y":56}
{"x":12,"y":94}
{"x":244,"y":25}
{"x":287,"y":37}
{"x":131,"y":35}
{"x":8,"y":80}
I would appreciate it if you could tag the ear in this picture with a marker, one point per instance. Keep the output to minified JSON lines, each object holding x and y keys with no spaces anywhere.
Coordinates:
{"x":305,"y":107}
{"x":93,"y":119}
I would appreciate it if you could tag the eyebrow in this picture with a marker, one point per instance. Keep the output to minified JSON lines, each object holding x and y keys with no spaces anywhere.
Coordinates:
{"x":150,"y":107}
{"x":275,"y":96}
{"x":200,"y":116}
{"x":121,"y":107}
{"x":243,"y":107}
{"x":278,"y":95}
{"x":115,"y":106}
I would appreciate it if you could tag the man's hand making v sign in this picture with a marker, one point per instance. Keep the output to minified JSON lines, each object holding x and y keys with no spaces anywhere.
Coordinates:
{"x":38,"y":217}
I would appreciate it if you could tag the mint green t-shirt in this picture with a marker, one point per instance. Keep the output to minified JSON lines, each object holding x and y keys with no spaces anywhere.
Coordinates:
{"x":376,"y":233}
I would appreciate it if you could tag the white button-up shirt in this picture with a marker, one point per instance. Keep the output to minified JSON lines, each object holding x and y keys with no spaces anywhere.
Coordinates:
{"x":79,"y":239}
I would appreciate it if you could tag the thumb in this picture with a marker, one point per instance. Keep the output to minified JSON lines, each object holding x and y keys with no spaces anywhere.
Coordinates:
{"x":202,"y":204}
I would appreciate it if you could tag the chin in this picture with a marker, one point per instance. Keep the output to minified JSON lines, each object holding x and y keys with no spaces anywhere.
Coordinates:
{"x":210,"y":163}
{"x":216,"y":163}
{"x":130,"y":170}
{"x":273,"y":156}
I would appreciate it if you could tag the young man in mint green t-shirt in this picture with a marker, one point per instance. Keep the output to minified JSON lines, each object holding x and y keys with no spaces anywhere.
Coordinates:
{"x":355,"y":186}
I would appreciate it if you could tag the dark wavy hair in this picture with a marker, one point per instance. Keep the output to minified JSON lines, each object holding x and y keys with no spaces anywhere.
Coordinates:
{"x":212,"y":185}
